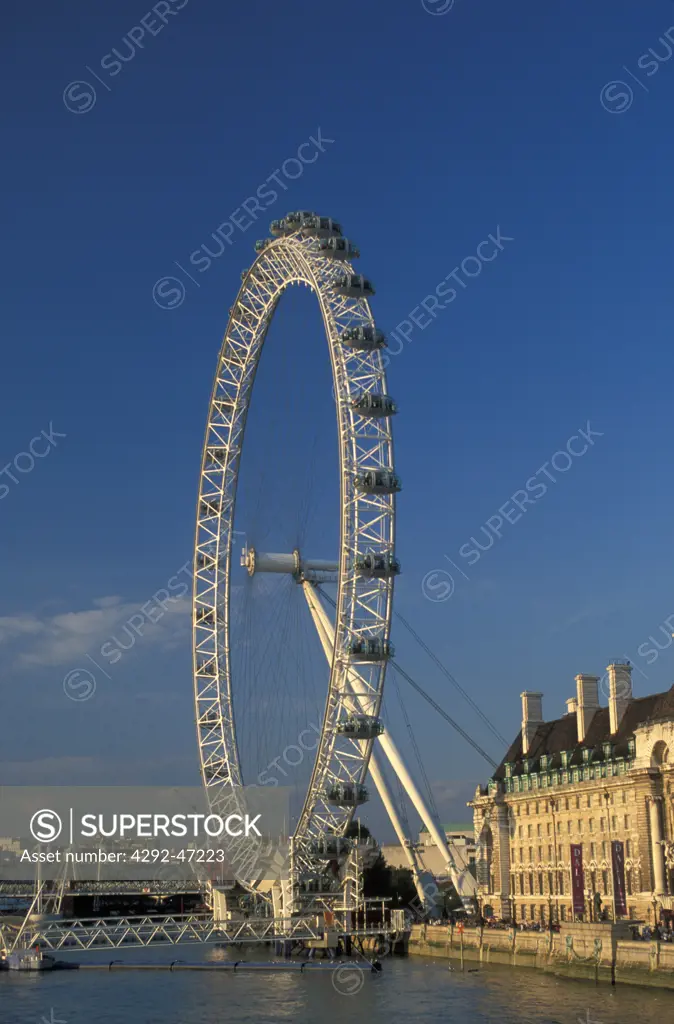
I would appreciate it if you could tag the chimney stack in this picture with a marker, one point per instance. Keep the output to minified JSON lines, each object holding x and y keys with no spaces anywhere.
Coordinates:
{"x":588,"y":703}
{"x":619,"y":691}
{"x":571,"y":706}
{"x":532,"y":717}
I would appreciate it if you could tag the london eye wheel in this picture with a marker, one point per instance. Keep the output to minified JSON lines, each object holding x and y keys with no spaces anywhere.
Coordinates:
{"x":310,"y":250}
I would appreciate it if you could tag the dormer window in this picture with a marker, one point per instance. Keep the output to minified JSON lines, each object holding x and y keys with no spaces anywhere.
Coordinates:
{"x":566,"y":755}
{"x":608,"y":751}
{"x":587,"y":755}
{"x":526,"y":765}
{"x":545,"y":761}
{"x":509,"y":769}
{"x":632,"y":747}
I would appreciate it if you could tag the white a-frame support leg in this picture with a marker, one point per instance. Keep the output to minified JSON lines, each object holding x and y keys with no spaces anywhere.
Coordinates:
{"x":463,"y":880}
{"x":326,"y":636}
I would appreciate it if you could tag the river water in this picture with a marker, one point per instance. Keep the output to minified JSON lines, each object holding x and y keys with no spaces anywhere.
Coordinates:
{"x":412,"y":988}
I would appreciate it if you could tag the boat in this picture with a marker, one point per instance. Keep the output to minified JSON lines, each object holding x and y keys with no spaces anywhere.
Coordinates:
{"x":30,"y":960}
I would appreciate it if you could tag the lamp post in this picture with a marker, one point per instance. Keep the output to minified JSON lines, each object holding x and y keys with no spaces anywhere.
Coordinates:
{"x":607,"y":798}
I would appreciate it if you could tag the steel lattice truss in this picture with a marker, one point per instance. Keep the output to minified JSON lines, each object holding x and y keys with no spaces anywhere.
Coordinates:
{"x":364,"y":605}
{"x":117,"y":932}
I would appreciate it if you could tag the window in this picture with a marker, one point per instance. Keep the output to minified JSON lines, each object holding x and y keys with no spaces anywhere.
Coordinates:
{"x":591,"y":824}
{"x":577,"y":803}
{"x":530,"y":831}
{"x":614,"y":822}
{"x":580,"y":827}
{"x":566,"y":804}
{"x":536,"y":808}
{"x":589,"y":800}
{"x":568,"y":826}
{"x":540,"y":883}
{"x":531,"y":854}
{"x":628,"y":881}
{"x":604,"y":850}
{"x":540,"y":853}
{"x":602,"y":824}
{"x":549,"y":828}
{"x":604,"y":882}
{"x":563,"y":913}
{"x":538,"y":831}
{"x":593,"y":851}
{"x":549,"y":853}
{"x":519,"y":832}
{"x":561,"y":855}
{"x":628,"y":848}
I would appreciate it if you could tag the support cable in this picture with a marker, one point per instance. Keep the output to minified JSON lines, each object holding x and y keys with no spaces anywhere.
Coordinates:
{"x":455,"y":683}
{"x":455,"y":725}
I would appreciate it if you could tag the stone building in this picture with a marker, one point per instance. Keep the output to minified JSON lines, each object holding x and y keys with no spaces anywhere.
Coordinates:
{"x":429,"y":857}
{"x":596,"y":775}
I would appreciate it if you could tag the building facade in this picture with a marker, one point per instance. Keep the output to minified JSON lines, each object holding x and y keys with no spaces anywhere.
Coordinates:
{"x":593,"y":777}
{"x":429,"y":858}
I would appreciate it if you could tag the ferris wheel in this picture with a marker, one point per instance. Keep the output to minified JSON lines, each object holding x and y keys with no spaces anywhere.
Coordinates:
{"x":306,"y":249}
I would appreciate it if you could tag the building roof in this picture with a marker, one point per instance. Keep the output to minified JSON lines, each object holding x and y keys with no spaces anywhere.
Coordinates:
{"x":552,"y":738}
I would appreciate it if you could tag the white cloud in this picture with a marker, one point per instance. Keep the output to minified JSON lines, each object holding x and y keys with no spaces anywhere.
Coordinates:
{"x":46,"y":640}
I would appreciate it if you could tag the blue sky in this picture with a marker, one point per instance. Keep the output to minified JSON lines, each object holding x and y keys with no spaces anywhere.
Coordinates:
{"x":548,"y":124}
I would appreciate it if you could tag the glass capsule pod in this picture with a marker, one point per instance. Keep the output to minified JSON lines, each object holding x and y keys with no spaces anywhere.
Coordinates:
{"x":370,"y":648}
{"x":347,"y":794}
{"x":378,"y":481}
{"x":208,"y":509}
{"x":320,"y":227}
{"x":372,"y":404}
{"x":338,"y":249}
{"x":377,"y":566}
{"x":363,"y":339}
{"x":330,"y":847}
{"x":353,"y":286}
{"x":262,"y":243}
{"x":296,"y":218}
{"x":360,"y":727}
{"x":216,"y":456}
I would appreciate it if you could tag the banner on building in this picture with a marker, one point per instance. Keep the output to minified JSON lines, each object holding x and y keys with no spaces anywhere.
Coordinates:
{"x":618,"y":859}
{"x":577,"y":878}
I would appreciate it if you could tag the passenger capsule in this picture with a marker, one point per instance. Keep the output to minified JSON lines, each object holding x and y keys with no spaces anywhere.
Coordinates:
{"x":262,"y":243}
{"x":377,"y":566}
{"x":363,"y":339}
{"x":329,"y":847}
{"x":346,"y":794}
{"x":353,"y":286}
{"x":370,"y":648}
{"x":279,"y":228}
{"x":378,"y":481}
{"x":338,"y":249}
{"x":372,"y":404}
{"x":320,"y":227}
{"x":296,"y":218}
{"x":208,"y":509}
{"x":360,"y":727}
{"x":215,"y":457}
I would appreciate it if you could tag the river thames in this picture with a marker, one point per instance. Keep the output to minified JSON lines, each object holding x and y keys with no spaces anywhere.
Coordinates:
{"x":413,"y":988}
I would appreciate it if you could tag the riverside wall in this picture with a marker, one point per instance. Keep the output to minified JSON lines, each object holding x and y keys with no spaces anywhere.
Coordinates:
{"x":602,"y":953}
